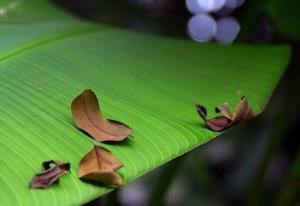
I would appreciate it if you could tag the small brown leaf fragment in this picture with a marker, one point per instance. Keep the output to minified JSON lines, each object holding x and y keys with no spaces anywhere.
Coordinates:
{"x":224,"y":110}
{"x":218,"y":123}
{"x":87,"y":116}
{"x":49,"y":175}
{"x":242,"y":112}
{"x":201,"y":111}
{"x":99,"y":165}
{"x":215,"y":124}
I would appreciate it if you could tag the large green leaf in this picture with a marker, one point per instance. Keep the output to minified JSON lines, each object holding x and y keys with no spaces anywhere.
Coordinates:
{"x":149,"y":82}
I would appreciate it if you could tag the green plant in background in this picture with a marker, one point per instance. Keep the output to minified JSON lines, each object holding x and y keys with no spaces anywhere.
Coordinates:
{"x":47,"y":57}
{"x":285,"y":15}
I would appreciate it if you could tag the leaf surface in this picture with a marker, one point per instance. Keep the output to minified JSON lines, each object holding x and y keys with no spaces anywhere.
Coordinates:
{"x":48,"y":57}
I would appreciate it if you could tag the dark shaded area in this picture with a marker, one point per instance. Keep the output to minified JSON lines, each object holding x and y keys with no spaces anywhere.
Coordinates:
{"x":162,"y":17}
{"x":255,"y":163}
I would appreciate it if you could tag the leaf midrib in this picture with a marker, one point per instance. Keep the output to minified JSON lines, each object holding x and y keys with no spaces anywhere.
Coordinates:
{"x":67,"y":33}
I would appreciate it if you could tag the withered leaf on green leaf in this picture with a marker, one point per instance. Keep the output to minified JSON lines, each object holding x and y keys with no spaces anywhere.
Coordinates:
{"x":49,"y":175}
{"x":88,"y":117}
{"x":99,"y":165}
{"x":242,"y":112}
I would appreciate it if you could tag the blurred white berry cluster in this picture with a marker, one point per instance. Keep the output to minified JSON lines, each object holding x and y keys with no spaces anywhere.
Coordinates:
{"x":221,"y":27}
{"x":7,"y":6}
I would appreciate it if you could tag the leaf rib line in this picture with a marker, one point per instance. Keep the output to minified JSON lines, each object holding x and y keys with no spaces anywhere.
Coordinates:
{"x":49,"y":39}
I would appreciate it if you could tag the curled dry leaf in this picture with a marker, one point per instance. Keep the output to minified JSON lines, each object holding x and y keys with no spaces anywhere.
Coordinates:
{"x":242,"y":112}
{"x":224,"y":110}
{"x":99,"y":165}
{"x":49,"y":175}
{"x":87,"y":116}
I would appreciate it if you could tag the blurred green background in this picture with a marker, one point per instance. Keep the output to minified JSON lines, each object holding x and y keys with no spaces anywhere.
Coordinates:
{"x":257,"y":163}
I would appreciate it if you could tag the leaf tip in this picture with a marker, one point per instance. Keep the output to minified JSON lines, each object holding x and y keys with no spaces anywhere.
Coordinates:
{"x":201,"y":111}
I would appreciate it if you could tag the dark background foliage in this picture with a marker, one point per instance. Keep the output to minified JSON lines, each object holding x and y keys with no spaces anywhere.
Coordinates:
{"x":257,"y":163}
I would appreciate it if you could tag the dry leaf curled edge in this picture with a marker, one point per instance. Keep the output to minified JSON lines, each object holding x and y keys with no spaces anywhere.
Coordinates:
{"x":99,"y":165}
{"x":87,"y":116}
{"x":242,"y":112}
{"x":49,"y":175}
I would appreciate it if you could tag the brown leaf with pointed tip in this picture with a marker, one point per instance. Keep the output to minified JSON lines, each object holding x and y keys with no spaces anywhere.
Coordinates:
{"x":242,"y":112}
{"x":99,"y":165}
{"x":224,"y":110}
{"x":87,"y":116}
{"x":49,"y":175}
{"x":201,"y":111}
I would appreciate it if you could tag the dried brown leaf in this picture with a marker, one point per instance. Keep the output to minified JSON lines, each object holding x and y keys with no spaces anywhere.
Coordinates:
{"x":201,"y":111}
{"x":224,"y":110}
{"x":242,"y":112}
{"x":218,"y":123}
{"x":87,"y":116}
{"x":215,"y":124}
{"x":49,"y":175}
{"x":99,"y":165}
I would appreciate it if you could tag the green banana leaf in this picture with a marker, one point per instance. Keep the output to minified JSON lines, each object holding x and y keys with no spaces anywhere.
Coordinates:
{"x":47,"y":57}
